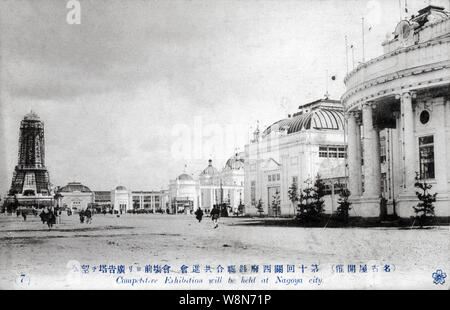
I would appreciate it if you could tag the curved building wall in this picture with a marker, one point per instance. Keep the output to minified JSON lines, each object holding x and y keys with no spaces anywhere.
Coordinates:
{"x":397,"y":108}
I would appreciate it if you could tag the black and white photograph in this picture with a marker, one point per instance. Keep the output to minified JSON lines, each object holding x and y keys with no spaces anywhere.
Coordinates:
{"x":225,"y":145}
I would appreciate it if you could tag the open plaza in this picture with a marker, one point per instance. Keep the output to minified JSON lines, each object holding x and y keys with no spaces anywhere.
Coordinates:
{"x":70,"y":255}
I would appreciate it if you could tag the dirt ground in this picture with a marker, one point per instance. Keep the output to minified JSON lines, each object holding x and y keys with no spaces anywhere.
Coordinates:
{"x":33,"y":257}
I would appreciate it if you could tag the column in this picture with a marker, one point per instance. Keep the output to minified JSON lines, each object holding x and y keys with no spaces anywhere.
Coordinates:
{"x":377,"y":159}
{"x":359,"y":152}
{"x":396,"y":175}
{"x":409,"y":143}
{"x":211,"y":198}
{"x":371,"y":155}
{"x":440,"y":147}
{"x":354,"y":159}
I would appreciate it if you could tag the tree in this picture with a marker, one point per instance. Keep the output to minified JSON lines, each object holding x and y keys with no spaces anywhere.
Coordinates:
{"x":319,"y":192}
{"x":344,"y":205}
{"x":425,"y":207}
{"x":311,"y":204}
{"x":276,"y":203}
{"x":260,"y":207}
{"x":293,"y":194}
{"x":305,"y":202}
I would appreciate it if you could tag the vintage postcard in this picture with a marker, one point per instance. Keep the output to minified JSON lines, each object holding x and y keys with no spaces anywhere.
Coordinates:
{"x":225,"y":145}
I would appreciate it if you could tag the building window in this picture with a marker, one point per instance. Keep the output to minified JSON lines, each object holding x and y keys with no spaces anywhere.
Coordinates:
{"x":278,"y":177}
{"x":424,"y":117}
{"x":382,"y":149}
{"x":331,"y":151}
{"x":253,"y":192}
{"x":323,"y":151}
{"x":426,"y":157}
{"x":383,"y":183}
{"x":270,"y":178}
{"x":295,"y":180}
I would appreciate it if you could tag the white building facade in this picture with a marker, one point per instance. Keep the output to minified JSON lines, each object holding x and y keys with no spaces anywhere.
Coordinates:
{"x":154,"y":201}
{"x":211,"y":187}
{"x":296,"y":150}
{"x":183,"y":194}
{"x":398,"y":112}
{"x":75,"y":196}
{"x":121,"y":199}
{"x":224,"y":187}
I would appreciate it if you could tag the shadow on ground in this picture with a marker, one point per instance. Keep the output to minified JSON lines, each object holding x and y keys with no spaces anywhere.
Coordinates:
{"x":353,"y":222}
{"x":83,"y":229}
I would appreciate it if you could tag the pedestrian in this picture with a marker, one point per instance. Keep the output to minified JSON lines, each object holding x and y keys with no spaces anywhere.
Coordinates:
{"x":42,"y":216}
{"x":88,"y":214}
{"x":24,"y":215}
{"x":51,"y":219}
{"x":82,"y":216}
{"x":215,"y":213}
{"x":199,"y":214}
{"x":55,"y":213}
{"x":18,"y":212}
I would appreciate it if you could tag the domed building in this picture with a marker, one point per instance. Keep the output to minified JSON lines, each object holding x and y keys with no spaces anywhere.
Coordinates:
{"x":398,"y":111}
{"x":295,"y":150}
{"x":225,"y":186}
{"x":183,"y":194}
{"x":75,"y":196}
{"x":211,"y":187}
{"x":232,"y":177}
{"x":121,"y":199}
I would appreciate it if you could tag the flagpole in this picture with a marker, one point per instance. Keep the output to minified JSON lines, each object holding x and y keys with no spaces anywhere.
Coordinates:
{"x":346,"y":53}
{"x":362,"y":25}
{"x":353,"y":57}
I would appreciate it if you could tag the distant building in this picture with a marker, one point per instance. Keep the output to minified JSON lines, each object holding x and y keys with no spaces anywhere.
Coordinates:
{"x":398,"y":110}
{"x":224,"y":187}
{"x":211,"y":187}
{"x":154,"y":201}
{"x":102,"y":199}
{"x":75,"y":196}
{"x":30,"y":182}
{"x":295,"y":150}
{"x":121,"y":199}
{"x":183,"y":194}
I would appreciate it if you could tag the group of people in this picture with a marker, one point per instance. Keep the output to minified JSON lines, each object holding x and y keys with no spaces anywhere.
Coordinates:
{"x":86,"y":215}
{"x":24,"y":212}
{"x":50,"y":216}
{"x":215,"y":214}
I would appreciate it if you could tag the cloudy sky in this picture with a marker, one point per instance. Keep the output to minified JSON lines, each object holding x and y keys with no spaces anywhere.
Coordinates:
{"x":142,"y":88}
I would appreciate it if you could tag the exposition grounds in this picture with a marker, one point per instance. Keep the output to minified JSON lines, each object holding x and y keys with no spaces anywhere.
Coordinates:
{"x":70,"y":255}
